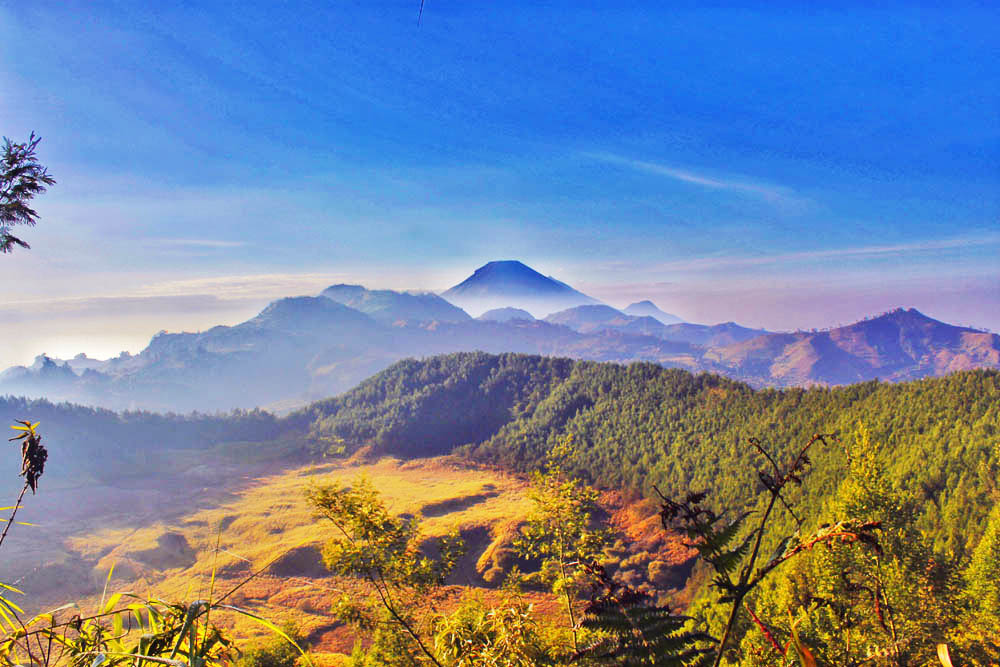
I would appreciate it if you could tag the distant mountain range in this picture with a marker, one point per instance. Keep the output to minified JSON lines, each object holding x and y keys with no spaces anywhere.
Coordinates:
{"x":303,"y":348}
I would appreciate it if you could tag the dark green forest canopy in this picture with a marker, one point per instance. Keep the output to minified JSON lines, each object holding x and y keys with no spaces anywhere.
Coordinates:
{"x":641,"y":424}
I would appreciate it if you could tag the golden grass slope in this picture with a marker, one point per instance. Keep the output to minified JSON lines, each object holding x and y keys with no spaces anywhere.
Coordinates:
{"x":268,"y":523}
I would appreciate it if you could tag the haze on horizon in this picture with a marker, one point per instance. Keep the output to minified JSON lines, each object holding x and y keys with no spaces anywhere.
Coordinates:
{"x":765,"y":164}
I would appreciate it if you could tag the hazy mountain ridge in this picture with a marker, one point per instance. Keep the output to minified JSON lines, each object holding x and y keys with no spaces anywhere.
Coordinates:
{"x":389,"y":306}
{"x":711,"y":335}
{"x":506,"y":314}
{"x":597,"y":318}
{"x":647,"y":308}
{"x":305,"y":348}
{"x":903,"y":344}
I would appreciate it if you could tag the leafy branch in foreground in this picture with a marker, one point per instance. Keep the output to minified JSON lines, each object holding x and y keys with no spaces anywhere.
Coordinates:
{"x":735,"y":559}
{"x":33,"y":458}
{"x":888,"y":606}
{"x":22,"y":177}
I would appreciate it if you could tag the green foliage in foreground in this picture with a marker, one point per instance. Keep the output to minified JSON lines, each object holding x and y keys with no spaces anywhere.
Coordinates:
{"x":560,"y":531}
{"x":385,"y":552}
{"x":477,"y":635}
{"x":630,"y":628}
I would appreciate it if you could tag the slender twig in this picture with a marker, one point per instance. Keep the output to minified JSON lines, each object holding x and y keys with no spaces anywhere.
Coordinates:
{"x":13,"y":512}
{"x":27,"y":642}
{"x":746,"y":584}
{"x":741,"y":591}
{"x":798,"y":521}
{"x":756,"y":443}
{"x":390,"y":607}
{"x":211,"y":588}
{"x":566,"y":591}
{"x":888,"y":608}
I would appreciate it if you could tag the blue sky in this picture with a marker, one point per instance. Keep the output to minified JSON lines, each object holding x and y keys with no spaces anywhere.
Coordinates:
{"x":766,"y":164}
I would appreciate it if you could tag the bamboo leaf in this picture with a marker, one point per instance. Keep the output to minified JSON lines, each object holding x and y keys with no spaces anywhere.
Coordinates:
{"x":41,"y":617}
{"x":106,"y":582}
{"x":4,"y":615}
{"x":4,"y":602}
{"x":112,"y":601}
{"x":189,"y":617}
{"x":11,"y":588}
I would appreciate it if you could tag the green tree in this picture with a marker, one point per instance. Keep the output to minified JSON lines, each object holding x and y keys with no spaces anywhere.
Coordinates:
{"x":386,"y":551}
{"x":983,"y":587}
{"x":475,"y":635}
{"x":560,"y":530}
{"x":890,"y":605}
{"x":22,"y":178}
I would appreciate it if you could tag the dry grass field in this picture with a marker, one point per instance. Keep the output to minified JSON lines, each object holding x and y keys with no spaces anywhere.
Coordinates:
{"x":264,"y":524}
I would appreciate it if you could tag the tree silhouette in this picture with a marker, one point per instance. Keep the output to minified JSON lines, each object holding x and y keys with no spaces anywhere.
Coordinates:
{"x":21,"y":178}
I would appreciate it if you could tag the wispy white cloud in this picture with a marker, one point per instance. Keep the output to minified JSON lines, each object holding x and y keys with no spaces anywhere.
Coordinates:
{"x":899,"y":249}
{"x":774,"y":194}
{"x":260,"y":285}
{"x":276,"y":285}
{"x":197,"y":243}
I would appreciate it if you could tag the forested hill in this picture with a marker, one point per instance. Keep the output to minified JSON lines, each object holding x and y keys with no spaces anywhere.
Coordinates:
{"x":641,"y":424}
